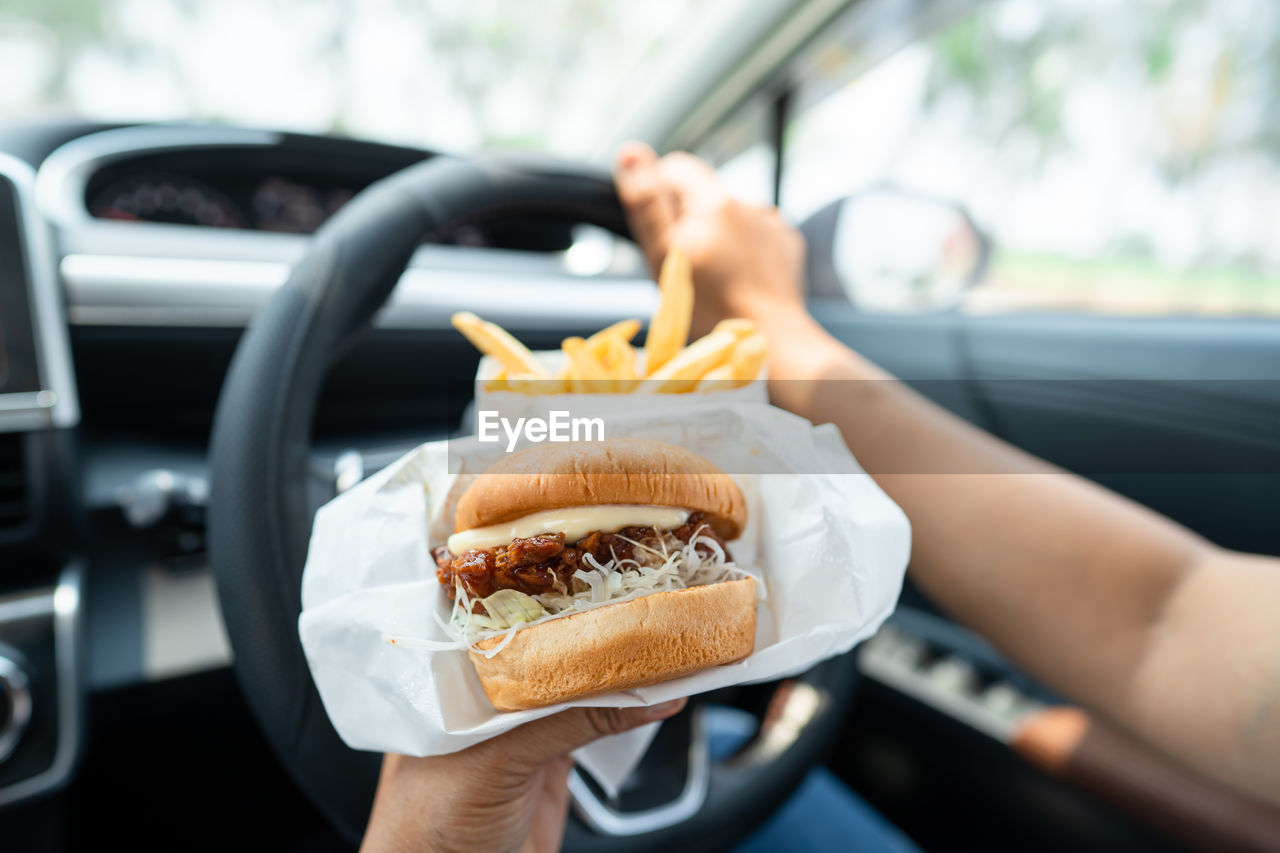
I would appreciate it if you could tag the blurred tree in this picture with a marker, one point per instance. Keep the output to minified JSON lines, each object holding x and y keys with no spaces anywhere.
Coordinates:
{"x":70,"y":24}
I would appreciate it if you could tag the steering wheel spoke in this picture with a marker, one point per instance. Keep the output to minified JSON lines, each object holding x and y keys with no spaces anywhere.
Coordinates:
{"x":667,"y":788}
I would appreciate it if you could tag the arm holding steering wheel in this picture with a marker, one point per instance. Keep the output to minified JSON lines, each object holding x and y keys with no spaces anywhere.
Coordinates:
{"x":1108,"y":602}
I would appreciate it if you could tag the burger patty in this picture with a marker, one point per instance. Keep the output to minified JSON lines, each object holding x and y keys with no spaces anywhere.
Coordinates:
{"x":544,"y":563}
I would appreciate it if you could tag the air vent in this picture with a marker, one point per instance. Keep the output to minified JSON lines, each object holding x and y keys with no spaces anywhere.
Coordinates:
{"x":13,"y":483}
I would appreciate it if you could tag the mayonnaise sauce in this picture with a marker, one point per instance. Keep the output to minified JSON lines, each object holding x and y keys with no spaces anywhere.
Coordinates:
{"x":573,"y":521}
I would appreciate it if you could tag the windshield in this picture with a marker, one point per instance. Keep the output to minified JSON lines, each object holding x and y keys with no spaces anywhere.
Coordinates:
{"x":445,"y":75}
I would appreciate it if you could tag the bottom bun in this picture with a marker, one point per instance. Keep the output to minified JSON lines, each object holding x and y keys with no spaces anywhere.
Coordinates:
{"x":654,"y":638}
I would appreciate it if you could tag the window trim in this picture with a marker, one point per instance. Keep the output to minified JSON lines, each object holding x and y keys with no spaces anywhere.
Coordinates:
{"x":776,"y":79}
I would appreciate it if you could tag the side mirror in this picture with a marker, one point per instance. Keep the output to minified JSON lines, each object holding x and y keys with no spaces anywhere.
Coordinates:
{"x":891,"y":250}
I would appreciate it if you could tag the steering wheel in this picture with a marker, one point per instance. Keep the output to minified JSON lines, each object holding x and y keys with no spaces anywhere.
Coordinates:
{"x":263,"y":500}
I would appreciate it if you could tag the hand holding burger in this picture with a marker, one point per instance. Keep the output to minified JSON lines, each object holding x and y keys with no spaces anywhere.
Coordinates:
{"x":507,"y":793}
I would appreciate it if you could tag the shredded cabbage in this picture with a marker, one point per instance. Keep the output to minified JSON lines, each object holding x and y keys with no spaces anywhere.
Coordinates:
{"x":672,"y":565}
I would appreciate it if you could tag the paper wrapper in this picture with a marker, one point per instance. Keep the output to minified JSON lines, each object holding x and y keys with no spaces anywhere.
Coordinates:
{"x":828,"y":544}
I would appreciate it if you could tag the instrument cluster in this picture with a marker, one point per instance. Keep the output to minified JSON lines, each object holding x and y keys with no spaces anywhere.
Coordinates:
{"x":269,"y":203}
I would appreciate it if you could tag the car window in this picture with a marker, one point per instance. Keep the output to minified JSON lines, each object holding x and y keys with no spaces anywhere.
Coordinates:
{"x":1123,"y":157}
{"x":550,"y":75}
{"x":742,"y":152}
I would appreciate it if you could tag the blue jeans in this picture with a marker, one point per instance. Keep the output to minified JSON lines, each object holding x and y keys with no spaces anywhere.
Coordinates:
{"x":823,"y":814}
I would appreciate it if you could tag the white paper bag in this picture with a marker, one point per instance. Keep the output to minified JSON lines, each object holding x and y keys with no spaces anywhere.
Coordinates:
{"x":828,"y":545}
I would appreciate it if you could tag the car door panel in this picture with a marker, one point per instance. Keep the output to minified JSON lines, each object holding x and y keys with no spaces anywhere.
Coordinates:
{"x":924,"y":350}
{"x":1179,"y":414}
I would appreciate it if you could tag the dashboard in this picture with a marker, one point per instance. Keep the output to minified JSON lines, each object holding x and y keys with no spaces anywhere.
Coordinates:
{"x":274,"y":182}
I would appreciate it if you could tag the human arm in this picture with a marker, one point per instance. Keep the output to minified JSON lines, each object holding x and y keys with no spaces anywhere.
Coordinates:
{"x":1108,"y":602}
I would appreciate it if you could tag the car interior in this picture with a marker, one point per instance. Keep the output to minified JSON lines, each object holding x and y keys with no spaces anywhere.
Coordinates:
{"x":171,"y":416}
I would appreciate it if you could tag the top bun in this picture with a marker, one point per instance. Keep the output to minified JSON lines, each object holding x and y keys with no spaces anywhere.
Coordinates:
{"x":614,"y":471}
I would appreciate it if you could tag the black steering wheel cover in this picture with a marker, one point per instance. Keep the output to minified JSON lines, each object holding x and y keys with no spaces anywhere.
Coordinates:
{"x":259,"y":513}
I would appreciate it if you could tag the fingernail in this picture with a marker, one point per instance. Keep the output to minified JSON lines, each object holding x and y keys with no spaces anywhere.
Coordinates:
{"x":630,"y":161}
{"x":665,"y":709}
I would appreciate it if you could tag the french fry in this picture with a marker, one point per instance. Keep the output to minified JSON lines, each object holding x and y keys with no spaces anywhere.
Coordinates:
{"x":498,"y":382}
{"x":733,"y":354}
{"x":718,"y":374}
{"x":623,"y":330}
{"x":612,"y":349}
{"x":739,"y":326}
{"x":669,"y":325}
{"x":492,"y":339}
{"x":528,"y":383}
{"x":573,"y":381}
{"x":558,"y":384}
{"x":564,"y":379}
{"x":589,"y":374}
{"x":717,"y":378}
{"x":683,"y":372}
{"x":748,"y":357}
{"x":619,"y":360}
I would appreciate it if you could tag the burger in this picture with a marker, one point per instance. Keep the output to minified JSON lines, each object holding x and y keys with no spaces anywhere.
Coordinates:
{"x":583,"y":568}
